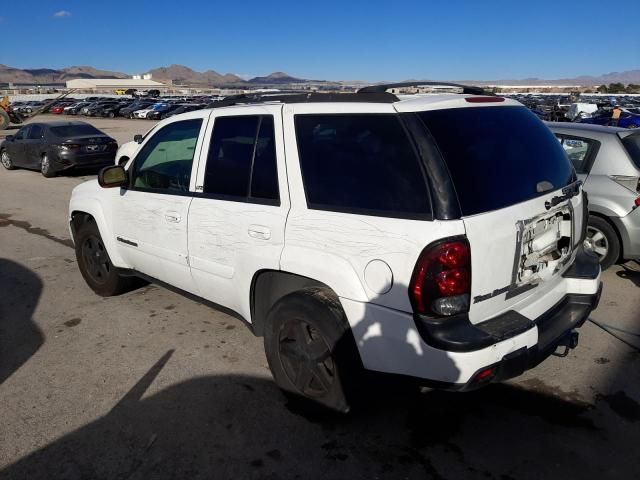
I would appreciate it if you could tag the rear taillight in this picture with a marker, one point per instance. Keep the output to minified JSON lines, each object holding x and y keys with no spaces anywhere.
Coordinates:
{"x":69,"y":146}
{"x":441,"y":280}
{"x":636,"y":202}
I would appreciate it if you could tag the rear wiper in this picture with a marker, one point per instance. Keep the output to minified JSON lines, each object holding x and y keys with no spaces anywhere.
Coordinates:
{"x":567,"y":192}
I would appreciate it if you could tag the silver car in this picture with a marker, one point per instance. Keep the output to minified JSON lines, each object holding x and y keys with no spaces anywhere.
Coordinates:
{"x":607,"y":160}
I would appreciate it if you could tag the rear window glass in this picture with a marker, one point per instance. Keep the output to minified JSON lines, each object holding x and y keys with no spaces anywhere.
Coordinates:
{"x":497,"y":155}
{"x":632,"y":144}
{"x":361,"y":164}
{"x":75,"y":130}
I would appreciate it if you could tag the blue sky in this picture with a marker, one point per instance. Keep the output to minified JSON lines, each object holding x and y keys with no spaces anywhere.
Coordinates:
{"x":347,"y":40}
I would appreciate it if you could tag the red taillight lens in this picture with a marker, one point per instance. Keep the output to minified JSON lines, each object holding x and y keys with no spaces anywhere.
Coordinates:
{"x":441,"y":281}
{"x":637,"y":202}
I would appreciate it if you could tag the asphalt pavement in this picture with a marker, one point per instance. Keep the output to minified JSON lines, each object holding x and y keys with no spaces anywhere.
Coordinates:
{"x":153,"y":385}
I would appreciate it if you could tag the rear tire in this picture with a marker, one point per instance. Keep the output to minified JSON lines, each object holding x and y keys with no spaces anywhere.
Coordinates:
{"x":6,"y":160}
{"x":95,"y":265}
{"x":602,"y":240}
{"x":112,"y":115}
{"x":45,"y":166}
{"x":310,"y":348}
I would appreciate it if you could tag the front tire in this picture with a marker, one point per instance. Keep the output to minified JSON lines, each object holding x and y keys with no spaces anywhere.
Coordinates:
{"x":6,"y":160}
{"x":603,"y":241}
{"x":310,"y":348}
{"x":45,"y":166}
{"x":95,"y":265}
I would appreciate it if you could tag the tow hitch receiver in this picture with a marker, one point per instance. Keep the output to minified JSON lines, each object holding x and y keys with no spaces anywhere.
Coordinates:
{"x":569,"y":342}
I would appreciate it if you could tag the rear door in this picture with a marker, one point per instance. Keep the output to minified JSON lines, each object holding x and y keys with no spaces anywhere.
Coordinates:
{"x":509,"y":173}
{"x":237,"y":219}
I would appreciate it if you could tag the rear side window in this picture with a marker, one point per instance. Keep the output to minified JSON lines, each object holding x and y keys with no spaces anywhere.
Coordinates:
{"x":497,"y":156}
{"x":581,"y":151}
{"x":632,"y":145}
{"x":75,"y":130}
{"x":241,"y":164}
{"x":361,"y":163}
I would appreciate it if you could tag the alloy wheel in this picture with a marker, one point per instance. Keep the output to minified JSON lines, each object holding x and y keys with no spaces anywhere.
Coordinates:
{"x":596,"y":242}
{"x":45,"y":164}
{"x":306,"y":358}
{"x":6,"y":160}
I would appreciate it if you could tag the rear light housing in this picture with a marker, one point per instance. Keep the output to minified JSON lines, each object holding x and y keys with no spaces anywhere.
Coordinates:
{"x":441,"y":281}
{"x":69,"y":146}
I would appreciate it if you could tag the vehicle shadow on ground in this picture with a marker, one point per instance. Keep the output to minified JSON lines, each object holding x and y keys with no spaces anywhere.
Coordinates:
{"x":20,"y":337}
{"x":241,"y":427}
{"x":630,"y":271}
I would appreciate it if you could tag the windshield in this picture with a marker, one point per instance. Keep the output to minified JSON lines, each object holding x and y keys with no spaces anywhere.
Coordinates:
{"x":497,"y":156}
{"x":74,"y":131}
{"x":632,"y":144}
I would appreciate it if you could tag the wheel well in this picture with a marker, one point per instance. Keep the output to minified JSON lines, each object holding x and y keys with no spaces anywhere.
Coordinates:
{"x":613,"y":226}
{"x":78,"y":219}
{"x":269,"y":286}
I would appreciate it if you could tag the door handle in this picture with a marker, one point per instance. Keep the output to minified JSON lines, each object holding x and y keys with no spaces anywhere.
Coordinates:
{"x":260,"y":232}
{"x":173,"y":217}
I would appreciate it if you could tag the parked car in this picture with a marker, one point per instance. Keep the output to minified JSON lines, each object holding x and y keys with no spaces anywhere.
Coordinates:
{"x":142,"y":113}
{"x":607,"y":160}
{"x":362,"y":245}
{"x":163,"y":112}
{"x":96,"y":109}
{"x":75,"y":108}
{"x":128,"y":111}
{"x":604,"y":117}
{"x":184,"y":109}
{"x":57,"y":110}
{"x":55,"y":147}
{"x":113,"y":110}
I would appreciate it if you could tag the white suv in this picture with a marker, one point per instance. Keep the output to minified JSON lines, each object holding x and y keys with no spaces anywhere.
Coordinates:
{"x":432,"y":236}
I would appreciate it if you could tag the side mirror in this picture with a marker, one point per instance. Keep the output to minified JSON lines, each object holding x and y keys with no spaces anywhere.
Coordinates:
{"x":113,"y":176}
{"x":137,"y":138}
{"x":8,"y":138}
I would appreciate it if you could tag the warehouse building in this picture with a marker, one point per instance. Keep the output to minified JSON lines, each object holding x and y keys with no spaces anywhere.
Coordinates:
{"x":115,"y":84}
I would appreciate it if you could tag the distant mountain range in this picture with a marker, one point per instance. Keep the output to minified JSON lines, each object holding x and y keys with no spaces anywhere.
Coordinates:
{"x":181,"y":75}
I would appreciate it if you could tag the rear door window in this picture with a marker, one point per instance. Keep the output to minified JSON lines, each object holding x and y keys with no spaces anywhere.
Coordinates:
{"x":497,"y":156}
{"x":36,"y":132}
{"x":361,"y":163}
{"x":241,"y":164}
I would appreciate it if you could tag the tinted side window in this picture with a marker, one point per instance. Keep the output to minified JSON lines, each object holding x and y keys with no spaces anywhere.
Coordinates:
{"x":36,"y":132}
{"x":230,"y":155}
{"x":580,"y":151}
{"x":242,"y":159}
{"x":22,"y":133}
{"x":361,"y":163}
{"x":164,"y":163}
{"x":497,"y":155}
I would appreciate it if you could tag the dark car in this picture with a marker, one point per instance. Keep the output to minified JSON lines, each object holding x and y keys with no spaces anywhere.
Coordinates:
{"x":97,"y":109}
{"x":163,"y":111}
{"x":58,"y":146}
{"x":128,"y":111}
{"x":75,"y":108}
{"x":183,"y":109}
{"x":114,"y":110}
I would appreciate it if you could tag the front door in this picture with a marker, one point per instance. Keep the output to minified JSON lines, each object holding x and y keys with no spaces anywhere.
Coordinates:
{"x":150,"y":220}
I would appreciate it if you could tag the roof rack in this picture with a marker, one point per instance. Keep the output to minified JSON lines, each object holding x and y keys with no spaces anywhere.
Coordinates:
{"x":466,"y":89}
{"x":307,"y":97}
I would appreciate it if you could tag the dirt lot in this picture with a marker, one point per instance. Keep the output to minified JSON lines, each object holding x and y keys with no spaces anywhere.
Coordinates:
{"x":152,"y":385}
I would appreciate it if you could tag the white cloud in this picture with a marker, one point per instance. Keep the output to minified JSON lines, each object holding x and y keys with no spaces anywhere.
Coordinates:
{"x":62,"y":13}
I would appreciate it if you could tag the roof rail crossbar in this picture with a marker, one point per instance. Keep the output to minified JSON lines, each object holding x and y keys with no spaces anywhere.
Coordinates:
{"x":466,"y":89}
